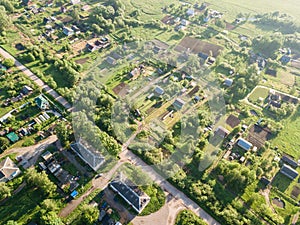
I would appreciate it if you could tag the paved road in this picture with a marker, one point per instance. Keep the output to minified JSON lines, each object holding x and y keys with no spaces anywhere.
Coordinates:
{"x":37,"y":80}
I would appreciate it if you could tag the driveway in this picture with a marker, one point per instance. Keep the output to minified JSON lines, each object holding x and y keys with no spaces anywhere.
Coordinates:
{"x":31,"y":154}
{"x":37,"y":80}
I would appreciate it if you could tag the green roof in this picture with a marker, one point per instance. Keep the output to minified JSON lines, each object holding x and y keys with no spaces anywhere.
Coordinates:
{"x":13,"y":137}
{"x":41,"y":102}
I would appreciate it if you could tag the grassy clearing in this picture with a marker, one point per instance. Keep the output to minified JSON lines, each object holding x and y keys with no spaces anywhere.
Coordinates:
{"x":233,"y":7}
{"x":27,"y":207}
{"x":259,"y":92}
{"x":288,"y":139}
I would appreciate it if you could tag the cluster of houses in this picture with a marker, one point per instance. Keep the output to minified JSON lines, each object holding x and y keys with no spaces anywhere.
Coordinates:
{"x":14,"y":136}
{"x":54,"y":167}
{"x":99,"y":44}
{"x":212,"y":14}
{"x":289,"y":165}
{"x":26,"y":90}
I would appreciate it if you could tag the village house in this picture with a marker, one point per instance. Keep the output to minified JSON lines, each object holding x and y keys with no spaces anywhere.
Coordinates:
{"x":190,"y":12}
{"x":178,"y":103}
{"x":289,"y":172}
{"x":228,"y":82}
{"x":8,"y":170}
{"x":110,"y":60}
{"x":159,"y":91}
{"x":136,"y":198}
{"x":42,"y":102}
{"x":75,"y":2}
{"x":222,"y":132}
{"x":68,"y":31}
{"x":246,"y":145}
{"x":93,"y":158}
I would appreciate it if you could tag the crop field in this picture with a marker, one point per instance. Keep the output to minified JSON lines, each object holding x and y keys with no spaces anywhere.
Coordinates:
{"x":197,"y":46}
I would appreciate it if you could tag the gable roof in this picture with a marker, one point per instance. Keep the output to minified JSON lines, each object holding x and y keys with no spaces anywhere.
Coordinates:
{"x":41,"y":102}
{"x":228,"y":82}
{"x":179,"y":103}
{"x":289,"y":172}
{"x":246,"y":145}
{"x":13,"y":137}
{"x":289,"y":160}
{"x":131,"y":194}
{"x":158,"y":90}
{"x":222,"y":132}
{"x":8,"y":169}
{"x":92,"y":158}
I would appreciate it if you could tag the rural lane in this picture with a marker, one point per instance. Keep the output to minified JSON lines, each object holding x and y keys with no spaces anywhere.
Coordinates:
{"x":165,"y":185}
{"x":37,"y":80}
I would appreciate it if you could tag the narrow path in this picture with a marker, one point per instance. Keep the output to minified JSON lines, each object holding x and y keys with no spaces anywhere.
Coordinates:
{"x":37,"y":80}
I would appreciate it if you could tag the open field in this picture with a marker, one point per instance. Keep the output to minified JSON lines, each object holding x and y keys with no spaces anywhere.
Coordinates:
{"x":258,"y":135}
{"x":259,"y":92}
{"x":233,"y":7}
{"x":27,"y":207}
{"x":288,"y":139}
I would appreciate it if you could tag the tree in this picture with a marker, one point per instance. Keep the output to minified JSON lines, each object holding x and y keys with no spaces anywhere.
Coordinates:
{"x":75,"y":14}
{"x":5,"y":21}
{"x":63,"y":133}
{"x":4,"y":143}
{"x":40,"y":180}
{"x":89,"y":214}
{"x":49,"y":205}
{"x":7,"y":5}
{"x":5,"y":191}
{"x":51,"y":218}
{"x":12,"y":222}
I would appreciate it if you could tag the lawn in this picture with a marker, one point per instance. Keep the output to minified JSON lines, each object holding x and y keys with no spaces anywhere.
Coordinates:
{"x":22,"y":206}
{"x":287,"y":140}
{"x":259,"y":92}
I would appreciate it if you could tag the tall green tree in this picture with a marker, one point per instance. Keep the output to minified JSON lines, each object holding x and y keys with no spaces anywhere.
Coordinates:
{"x":5,"y":191}
{"x":5,"y":21}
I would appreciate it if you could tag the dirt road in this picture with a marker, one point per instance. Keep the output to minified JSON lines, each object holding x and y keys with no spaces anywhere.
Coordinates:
{"x":37,"y":80}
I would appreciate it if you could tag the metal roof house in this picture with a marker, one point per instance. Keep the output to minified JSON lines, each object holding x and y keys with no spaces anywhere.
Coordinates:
{"x":68,"y":31}
{"x":42,"y":102}
{"x":179,"y":103}
{"x":222,"y":132}
{"x":93,"y":158}
{"x":8,"y":170}
{"x":289,"y":172}
{"x":246,"y":145}
{"x":131,"y":194}
{"x":159,"y":91}
{"x":289,"y":161}
{"x":228,"y":82}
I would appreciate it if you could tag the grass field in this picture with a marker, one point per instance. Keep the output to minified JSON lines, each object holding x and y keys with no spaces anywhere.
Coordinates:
{"x":27,"y":206}
{"x":257,"y":93}
{"x":233,"y":7}
{"x":287,"y":140}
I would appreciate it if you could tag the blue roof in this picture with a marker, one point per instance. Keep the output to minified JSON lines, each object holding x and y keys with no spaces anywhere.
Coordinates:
{"x":244,"y":144}
{"x":74,"y":194}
